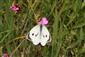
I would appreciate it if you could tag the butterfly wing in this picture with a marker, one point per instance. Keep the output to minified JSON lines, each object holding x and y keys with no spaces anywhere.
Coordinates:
{"x":45,"y":36}
{"x":34,"y":35}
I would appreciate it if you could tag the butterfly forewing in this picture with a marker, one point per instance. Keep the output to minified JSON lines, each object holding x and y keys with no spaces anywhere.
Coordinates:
{"x":44,"y":36}
{"x":34,"y":34}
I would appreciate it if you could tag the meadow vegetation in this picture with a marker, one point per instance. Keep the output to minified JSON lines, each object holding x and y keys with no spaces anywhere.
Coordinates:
{"x":66,"y":26}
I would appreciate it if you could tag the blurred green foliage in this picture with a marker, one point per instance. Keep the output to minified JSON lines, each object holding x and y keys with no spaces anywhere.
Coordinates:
{"x":66,"y":25}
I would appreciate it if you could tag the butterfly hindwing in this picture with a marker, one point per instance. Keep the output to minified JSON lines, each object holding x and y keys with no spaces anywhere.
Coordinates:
{"x":34,"y":35}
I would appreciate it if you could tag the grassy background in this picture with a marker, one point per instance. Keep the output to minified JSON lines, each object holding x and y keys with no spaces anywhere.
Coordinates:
{"x":66,"y":25}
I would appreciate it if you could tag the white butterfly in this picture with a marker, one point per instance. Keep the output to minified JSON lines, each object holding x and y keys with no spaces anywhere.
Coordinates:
{"x":39,"y":35}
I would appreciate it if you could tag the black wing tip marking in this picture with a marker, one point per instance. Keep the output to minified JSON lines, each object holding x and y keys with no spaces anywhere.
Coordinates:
{"x":49,"y":40}
{"x":27,"y":36}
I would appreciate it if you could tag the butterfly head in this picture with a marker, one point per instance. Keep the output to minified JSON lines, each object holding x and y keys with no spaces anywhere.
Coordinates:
{"x":43,"y":21}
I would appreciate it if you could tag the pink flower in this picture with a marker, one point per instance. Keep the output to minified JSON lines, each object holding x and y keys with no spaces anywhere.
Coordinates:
{"x":5,"y":55}
{"x":43,"y":21}
{"x":15,"y":8}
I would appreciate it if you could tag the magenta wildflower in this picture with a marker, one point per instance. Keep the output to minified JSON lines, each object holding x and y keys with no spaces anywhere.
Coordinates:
{"x":43,"y":21}
{"x":15,"y":8}
{"x":5,"y":55}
